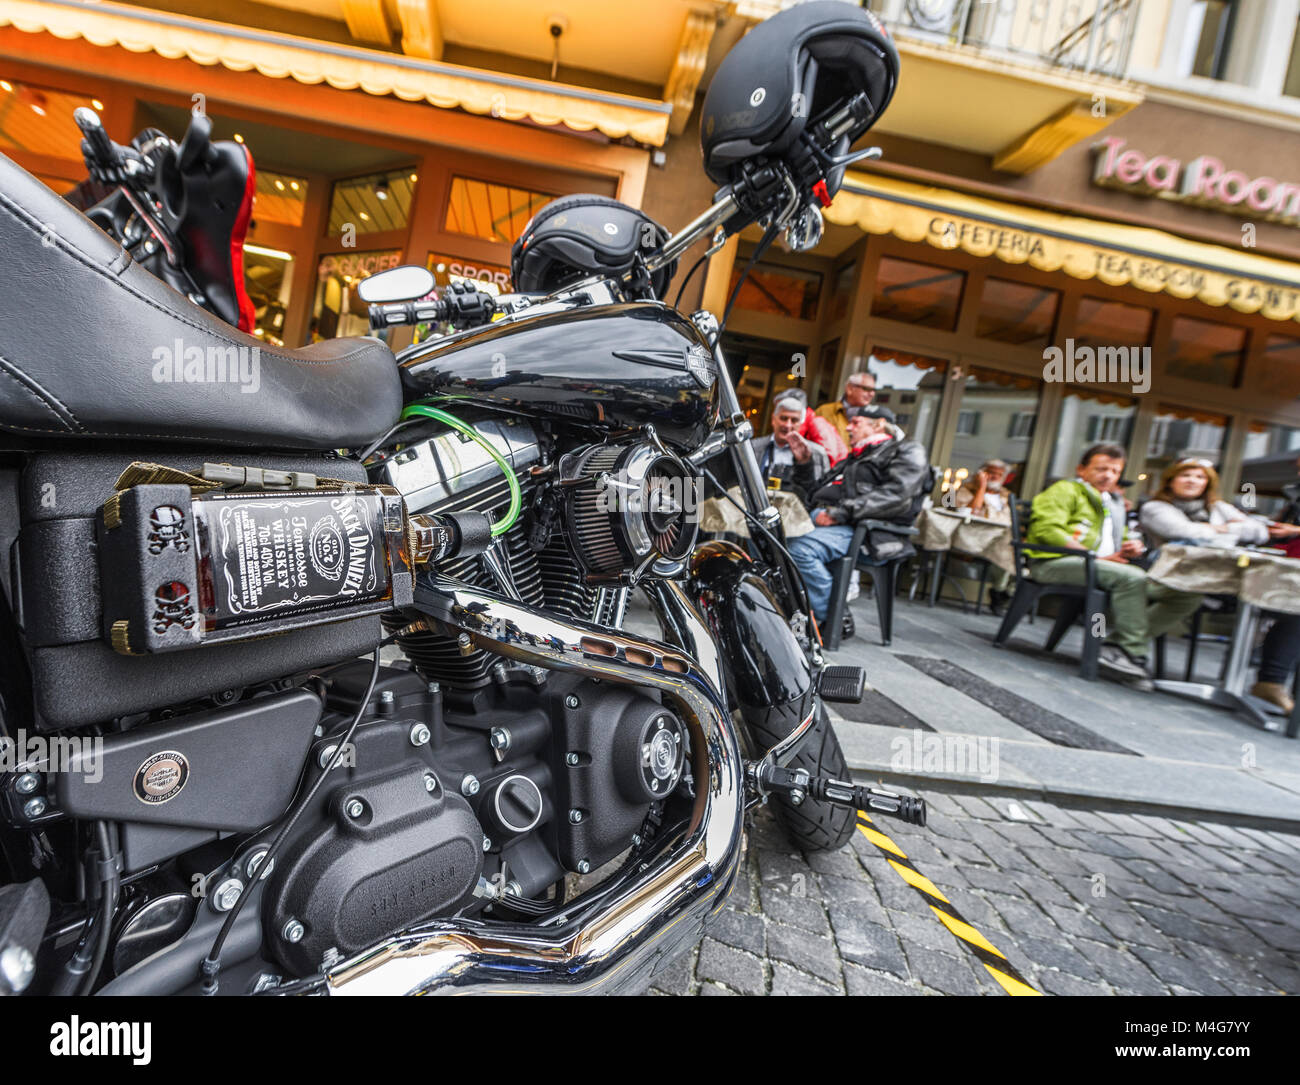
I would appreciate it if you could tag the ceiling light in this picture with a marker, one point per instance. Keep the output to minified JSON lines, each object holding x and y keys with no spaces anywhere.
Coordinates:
{"x":279,"y":184}
{"x":365,"y":217}
{"x":381,"y":190}
{"x":239,"y":138}
{"x":97,"y":103}
{"x":293,"y":185}
{"x":5,"y":85}
{"x":414,"y":178}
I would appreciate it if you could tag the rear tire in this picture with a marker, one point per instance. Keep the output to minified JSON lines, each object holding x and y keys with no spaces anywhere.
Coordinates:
{"x":813,"y":825}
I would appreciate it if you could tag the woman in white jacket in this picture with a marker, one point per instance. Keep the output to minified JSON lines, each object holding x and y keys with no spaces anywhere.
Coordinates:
{"x":1187,"y":509}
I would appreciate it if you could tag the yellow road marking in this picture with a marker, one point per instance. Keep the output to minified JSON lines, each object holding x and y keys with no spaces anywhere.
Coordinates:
{"x":1004,"y":973}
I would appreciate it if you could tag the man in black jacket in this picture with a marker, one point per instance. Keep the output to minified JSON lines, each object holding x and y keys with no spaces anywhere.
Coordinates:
{"x":886,"y":479}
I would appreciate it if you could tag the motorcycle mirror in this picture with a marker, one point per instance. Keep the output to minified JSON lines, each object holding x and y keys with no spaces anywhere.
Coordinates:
{"x":405,"y":283}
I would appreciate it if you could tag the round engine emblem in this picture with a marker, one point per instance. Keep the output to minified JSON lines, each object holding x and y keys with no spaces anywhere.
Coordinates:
{"x":756,"y":99}
{"x":161,"y":777}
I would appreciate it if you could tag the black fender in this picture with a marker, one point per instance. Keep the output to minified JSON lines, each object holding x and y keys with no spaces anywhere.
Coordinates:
{"x":765,"y":664}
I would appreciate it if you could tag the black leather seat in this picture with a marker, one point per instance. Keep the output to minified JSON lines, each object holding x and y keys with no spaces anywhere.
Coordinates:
{"x":89,"y":341}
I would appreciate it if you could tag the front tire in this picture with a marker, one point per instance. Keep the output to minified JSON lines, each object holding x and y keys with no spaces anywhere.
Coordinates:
{"x":813,"y":825}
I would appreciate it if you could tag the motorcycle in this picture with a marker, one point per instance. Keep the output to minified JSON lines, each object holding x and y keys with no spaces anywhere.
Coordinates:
{"x":213,"y":791}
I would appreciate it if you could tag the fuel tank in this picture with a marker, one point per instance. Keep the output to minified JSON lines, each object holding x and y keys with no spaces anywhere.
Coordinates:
{"x":604,"y":367}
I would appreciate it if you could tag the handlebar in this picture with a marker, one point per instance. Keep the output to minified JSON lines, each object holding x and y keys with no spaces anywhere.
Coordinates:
{"x":461,"y":304}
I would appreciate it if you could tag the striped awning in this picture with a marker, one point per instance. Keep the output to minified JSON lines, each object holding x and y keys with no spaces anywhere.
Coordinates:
{"x":345,"y":67}
{"x":1114,"y":253}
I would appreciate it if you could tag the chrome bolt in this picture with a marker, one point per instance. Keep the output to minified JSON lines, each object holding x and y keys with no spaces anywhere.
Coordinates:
{"x":584,"y":867}
{"x":575,"y":816}
{"x":514,"y":889}
{"x":636,"y":840}
{"x":27,"y":783}
{"x":469,"y":785}
{"x":430,"y":782}
{"x":326,"y":755}
{"x":487,"y":844}
{"x":227,"y":894}
{"x":292,"y":931}
{"x":388,"y":697}
{"x":570,"y":758}
{"x":419,"y":735}
{"x":433,"y":687}
{"x":797,"y":796}
{"x":17,"y":967}
{"x":254,"y":861}
{"x":33,"y":808}
{"x":500,"y":739}
{"x":571,"y":701}
{"x":355,"y":808}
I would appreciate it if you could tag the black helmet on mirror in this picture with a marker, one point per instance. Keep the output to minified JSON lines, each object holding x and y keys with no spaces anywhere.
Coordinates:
{"x":790,"y":71}
{"x":576,"y":237}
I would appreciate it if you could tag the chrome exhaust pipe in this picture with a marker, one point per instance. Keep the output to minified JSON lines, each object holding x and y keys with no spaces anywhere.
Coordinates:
{"x":639,"y":921}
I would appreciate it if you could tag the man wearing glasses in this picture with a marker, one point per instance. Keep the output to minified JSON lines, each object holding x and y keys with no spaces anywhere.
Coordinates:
{"x":859,"y":391}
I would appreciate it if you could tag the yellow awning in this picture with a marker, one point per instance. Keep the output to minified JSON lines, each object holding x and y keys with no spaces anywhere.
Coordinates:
{"x":1118,"y":255}
{"x":344,"y":67}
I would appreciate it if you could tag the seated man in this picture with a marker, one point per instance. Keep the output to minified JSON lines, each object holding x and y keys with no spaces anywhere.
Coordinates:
{"x":1073,"y":513}
{"x":785,"y":454}
{"x":885,"y":480}
{"x":859,"y":390}
{"x":983,"y":494}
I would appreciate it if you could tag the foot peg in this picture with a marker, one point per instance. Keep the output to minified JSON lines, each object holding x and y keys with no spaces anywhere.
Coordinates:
{"x":843,"y":684}
{"x":798,"y":785}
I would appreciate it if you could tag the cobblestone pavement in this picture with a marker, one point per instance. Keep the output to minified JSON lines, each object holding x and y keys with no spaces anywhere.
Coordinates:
{"x":1079,"y":902}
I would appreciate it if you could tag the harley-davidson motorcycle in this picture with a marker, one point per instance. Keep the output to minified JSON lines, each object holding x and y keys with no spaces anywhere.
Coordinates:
{"x":209,"y":788}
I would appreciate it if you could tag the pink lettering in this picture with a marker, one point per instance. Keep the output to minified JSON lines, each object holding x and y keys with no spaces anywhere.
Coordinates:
{"x":1162,"y":173}
{"x":1130,"y":167}
{"x":1106,"y":162}
{"x":1201,"y":177}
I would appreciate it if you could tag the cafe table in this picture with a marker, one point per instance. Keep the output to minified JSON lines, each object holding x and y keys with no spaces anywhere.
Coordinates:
{"x":719,"y":516}
{"x":1261,"y":580}
{"x":941,"y":530}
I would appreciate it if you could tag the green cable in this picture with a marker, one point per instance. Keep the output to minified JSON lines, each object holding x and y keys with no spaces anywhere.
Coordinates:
{"x":516,"y":495}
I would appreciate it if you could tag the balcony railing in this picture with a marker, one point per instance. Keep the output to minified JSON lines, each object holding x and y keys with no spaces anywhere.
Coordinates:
{"x":1093,"y":36}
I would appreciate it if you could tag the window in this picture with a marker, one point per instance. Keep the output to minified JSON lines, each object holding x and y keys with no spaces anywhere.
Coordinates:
{"x":1281,"y":367}
{"x":40,"y":119}
{"x":1180,"y":433}
{"x":280,"y":198}
{"x":780,"y":291}
{"x":1271,"y":461}
{"x":842,"y":291}
{"x":1201,"y":350}
{"x":337,"y":311}
{"x":1291,"y":87}
{"x":268,"y":275}
{"x":494,"y":212}
{"x":1111,"y":428}
{"x":968,"y":423}
{"x":373,"y":204}
{"x":1102,"y":323}
{"x":1021,"y":426}
{"x":910,"y":385}
{"x":1018,"y":313}
{"x":1207,"y":37}
{"x":917,"y":293}
{"x":1086,"y":418}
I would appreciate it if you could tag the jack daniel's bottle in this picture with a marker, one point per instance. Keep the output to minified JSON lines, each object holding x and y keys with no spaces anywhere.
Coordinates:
{"x":180,"y":568}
